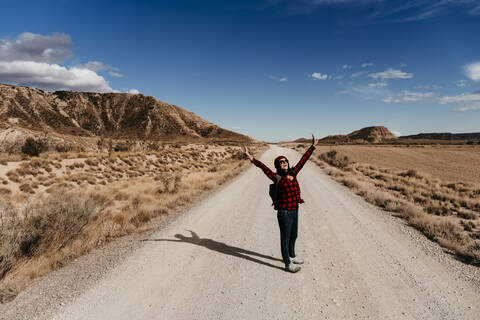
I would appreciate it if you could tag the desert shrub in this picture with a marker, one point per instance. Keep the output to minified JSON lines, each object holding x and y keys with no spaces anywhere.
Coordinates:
{"x":168,"y":184}
{"x":49,"y":226}
{"x":438,"y":209}
{"x":33,"y":147}
{"x":153,"y":146}
{"x":4,"y":192}
{"x":467,"y":225}
{"x":101,"y":143}
{"x":141,"y":218}
{"x":25,"y":187}
{"x":350,"y":183}
{"x":13,"y":176}
{"x":121,"y":147}
{"x":91,"y":162}
{"x":467,"y":215}
{"x":64,"y":147}
{"x":78,"y":165}
{"x":410,"y":173}
{"x":239,"y":155}
{"x":335,"y":159}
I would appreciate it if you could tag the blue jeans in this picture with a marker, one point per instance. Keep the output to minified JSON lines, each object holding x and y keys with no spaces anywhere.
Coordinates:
{"x":288,"y":223}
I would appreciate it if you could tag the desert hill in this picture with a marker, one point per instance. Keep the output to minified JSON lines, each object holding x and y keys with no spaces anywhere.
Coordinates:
{"x":110,"y":115}
{"x":444,"y":136}
{"x":374,"y":134}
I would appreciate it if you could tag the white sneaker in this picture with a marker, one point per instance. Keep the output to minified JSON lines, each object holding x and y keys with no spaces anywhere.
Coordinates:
{"x":297,"y":260}
{"x":292,"y":268}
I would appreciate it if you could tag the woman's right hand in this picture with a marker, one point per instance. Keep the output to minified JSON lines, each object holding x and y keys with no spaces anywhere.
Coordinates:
{"x":248,"y":153}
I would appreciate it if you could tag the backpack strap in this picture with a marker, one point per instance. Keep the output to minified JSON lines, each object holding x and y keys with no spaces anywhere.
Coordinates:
{"x":277,"y":182}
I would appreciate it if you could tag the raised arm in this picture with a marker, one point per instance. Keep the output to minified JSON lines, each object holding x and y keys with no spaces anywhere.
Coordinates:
{"x":305,"y":156}
{"x":269,"y":173}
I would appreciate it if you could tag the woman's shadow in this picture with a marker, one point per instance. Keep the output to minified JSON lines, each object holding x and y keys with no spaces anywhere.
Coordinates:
{"x":222,"y":248}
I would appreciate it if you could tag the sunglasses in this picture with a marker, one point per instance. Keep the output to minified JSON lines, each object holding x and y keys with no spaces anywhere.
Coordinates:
{"x":283,"y":161}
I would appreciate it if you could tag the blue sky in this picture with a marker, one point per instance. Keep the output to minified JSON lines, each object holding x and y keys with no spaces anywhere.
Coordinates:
{"x":271,"y":69}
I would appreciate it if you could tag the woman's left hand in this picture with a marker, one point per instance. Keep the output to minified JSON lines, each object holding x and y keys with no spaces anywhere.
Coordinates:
{"x":314,"y":141}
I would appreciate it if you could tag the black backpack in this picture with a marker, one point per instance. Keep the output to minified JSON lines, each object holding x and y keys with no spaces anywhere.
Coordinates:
{"x":273,"y":190}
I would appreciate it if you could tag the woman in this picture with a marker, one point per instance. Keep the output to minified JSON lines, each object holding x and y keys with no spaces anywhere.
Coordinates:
{"x":287,"y":201}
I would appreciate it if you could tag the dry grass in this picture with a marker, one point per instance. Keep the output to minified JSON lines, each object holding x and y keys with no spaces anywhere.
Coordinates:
{"x":447,"y":213}
{"x":63,"y":213}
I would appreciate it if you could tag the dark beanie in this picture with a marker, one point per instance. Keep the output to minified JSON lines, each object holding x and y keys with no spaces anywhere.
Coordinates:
{"x":277,"y":162}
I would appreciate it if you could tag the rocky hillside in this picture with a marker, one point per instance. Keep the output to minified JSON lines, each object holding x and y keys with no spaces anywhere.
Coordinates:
{"x":115,"y":115}
{"x":444,"y":136}
{"x":375,"y":134}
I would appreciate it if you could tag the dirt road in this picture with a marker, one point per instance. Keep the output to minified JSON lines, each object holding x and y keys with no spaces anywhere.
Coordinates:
{"x":222,"y":260}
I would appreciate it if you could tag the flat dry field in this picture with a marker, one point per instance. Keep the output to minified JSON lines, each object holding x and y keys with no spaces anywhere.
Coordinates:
{"x":447,"y":163}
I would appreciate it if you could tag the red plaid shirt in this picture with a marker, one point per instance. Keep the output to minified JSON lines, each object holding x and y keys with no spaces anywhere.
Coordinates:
{"x":288,"y":190}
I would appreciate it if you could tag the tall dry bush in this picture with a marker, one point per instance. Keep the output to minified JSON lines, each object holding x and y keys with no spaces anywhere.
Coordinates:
{"x":43,"y":228}
{"x":336,"y":159}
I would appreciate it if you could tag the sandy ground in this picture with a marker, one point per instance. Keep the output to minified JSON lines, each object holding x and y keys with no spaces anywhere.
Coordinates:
{"x":221,"y":260}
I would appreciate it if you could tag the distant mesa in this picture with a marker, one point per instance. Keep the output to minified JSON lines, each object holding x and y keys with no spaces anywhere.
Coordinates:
{"x":444,"y":136}
{"x":380,"y":134}
{"x":108,"y":115}
{"x":374,"y":134}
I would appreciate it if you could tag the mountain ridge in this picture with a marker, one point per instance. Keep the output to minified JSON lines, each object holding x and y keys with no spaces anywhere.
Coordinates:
{"x":113,"y":115}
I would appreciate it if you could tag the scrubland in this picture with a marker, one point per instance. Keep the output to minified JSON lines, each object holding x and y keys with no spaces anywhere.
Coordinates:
{"x":434,"y":188}
{"x":58,"y":206}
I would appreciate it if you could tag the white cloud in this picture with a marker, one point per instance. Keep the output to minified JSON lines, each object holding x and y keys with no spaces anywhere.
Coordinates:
{"x":280,"y":79}
{"x":133,"y":91}
{"x":95,"y":66}
{"x":391,"y":74}
{"x":368,"y":92}
{"x":432,"y":87}
{"x":462,"y":83}
{"x":378,"y":84}
{"x":36,"y":47}
{"x":318,"y":76}
{"x":465,"y":97}
{"x":470,"y":101}
{"x":367,"y":64}
{"x":115,"y":74}
{"x":409,"y":96}
{"x":346,"y":66}
{"x":52,"y":76}
{"x":472,"y":71}
{"x":98,"y":66}
{"x":339,"y":77}
{"x":381,"y":10}
{"x":390,"y":99}
{"x":357,"y":74}
{"x":34,"y":60}
{"x":397,"y":133}
{"x":475,"y":106}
